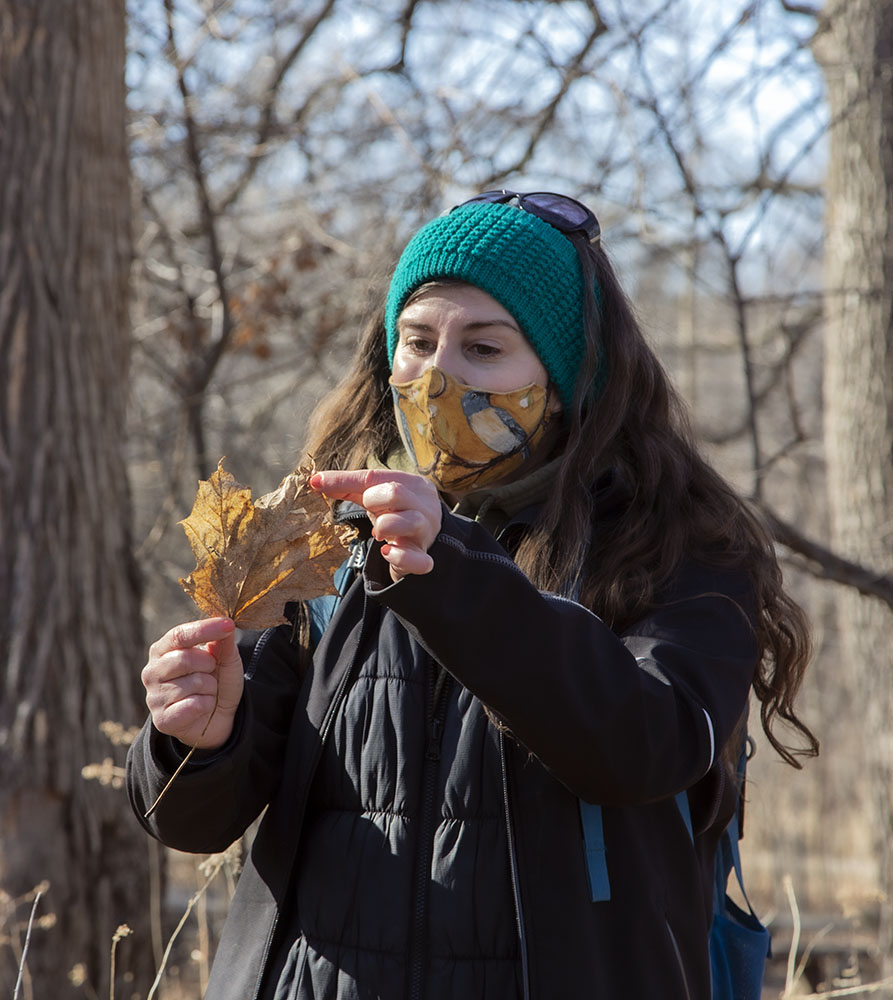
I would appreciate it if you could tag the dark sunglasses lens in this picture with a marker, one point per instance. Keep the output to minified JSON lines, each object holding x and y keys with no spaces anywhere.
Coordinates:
{"x":558,"y":210}
{"x":575,"y":215}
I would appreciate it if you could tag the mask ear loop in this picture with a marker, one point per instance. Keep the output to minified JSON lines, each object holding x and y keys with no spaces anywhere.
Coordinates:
{"x":552,"y":394}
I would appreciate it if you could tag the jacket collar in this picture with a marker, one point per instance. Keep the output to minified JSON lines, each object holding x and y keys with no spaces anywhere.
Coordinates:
{"x":516,"y":503}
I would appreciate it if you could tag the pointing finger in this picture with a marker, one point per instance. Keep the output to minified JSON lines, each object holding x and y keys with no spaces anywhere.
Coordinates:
{"x":352,"y":483}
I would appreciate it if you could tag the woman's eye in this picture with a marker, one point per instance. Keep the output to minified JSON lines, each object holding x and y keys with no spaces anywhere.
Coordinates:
{"x":484,"y":350}
{"x":418,"y":345}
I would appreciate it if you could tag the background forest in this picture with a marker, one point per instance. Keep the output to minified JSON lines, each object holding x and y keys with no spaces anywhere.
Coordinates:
{"x":199,"y":203}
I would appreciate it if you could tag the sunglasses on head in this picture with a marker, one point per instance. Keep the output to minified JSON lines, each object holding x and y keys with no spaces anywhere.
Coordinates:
{"x":565,"y":214}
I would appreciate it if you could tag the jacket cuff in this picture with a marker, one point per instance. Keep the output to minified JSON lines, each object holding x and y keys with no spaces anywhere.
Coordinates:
{"x":377,"y":572}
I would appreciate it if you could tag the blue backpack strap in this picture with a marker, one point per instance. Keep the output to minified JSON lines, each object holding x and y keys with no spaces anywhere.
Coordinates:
{"x":594,"y":844}
{"x":728,"y":856}
{"x":739,"y":943}
{"x":731,"y":860}
{"x":728,"y":845}
{"x":682,"y":804}
{"x":321,"y":609}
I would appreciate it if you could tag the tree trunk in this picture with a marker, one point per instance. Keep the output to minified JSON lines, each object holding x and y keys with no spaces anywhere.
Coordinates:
{"x":69,"y":596}
{"x":856,"y":51}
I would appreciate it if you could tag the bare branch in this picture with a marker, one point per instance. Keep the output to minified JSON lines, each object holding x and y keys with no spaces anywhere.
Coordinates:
{"x":821,"y":562}
{"x":689,"y":181}
{"x":799,"y":8}
{"x":796,"y":335}
{"x":570,"y":75}
{"x":202,"y":368}
{"x":746,"y":363}
{"x":405,"y":25}
{"x":265,"y":128}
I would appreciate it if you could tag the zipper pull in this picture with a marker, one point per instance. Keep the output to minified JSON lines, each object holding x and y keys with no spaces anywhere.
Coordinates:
{"x":357,"y":558}
{"x":435,"y":736}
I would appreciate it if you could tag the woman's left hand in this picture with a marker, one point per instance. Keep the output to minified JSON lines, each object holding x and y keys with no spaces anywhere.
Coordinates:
{"x":404,"y":508}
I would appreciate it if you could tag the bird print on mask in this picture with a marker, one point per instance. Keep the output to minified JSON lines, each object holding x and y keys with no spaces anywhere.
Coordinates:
{"x":496,"y":427}
{"x":462,"y":437}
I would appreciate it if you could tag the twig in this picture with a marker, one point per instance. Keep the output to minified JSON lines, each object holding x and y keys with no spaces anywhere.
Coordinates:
{"x":196,"y":896}
{"x":203,"y":363}
{"x":201,"y":919}
{"x":123,"y":931}
{"x":268,"y":112}
{"x":795,"y":936}
{"x":18,"y":986}
{"x":810,"y":948}
{"x":571,"y":72}
{"x":851,"y":991}
{"x":794,"y":971}
{"x":747,"y":365}
{"x":801,"y":8}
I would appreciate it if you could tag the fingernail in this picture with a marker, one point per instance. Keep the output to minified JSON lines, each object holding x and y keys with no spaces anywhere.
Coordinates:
{"x":316,"y":480}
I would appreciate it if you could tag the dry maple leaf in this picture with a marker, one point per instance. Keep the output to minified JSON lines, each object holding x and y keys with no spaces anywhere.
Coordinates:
{"x":253,"y":558}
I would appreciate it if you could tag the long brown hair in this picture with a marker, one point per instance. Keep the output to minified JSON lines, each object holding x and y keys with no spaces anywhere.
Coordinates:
{"x":678,"y":506}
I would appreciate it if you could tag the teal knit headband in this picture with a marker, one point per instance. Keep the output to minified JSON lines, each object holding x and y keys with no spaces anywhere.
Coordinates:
{"x":528,"y":266}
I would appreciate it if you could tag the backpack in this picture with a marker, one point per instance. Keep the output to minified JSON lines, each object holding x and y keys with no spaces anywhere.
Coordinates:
{"x":739,"y":944}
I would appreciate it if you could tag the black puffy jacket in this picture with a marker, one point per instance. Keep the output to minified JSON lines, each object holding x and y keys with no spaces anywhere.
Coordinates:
{"x":415,"y":847}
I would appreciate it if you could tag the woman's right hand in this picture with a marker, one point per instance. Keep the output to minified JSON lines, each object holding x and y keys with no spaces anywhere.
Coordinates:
{"x":192,"y":668}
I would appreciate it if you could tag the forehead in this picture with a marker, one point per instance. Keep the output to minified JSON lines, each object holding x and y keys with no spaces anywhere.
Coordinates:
{"x":456,"y":298}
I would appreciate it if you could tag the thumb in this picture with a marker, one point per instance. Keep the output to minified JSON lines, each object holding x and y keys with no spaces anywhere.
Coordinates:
{"x":230,"y":671}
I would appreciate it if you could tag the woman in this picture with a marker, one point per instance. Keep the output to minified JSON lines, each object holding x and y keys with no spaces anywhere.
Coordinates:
{"x":559,"y":603}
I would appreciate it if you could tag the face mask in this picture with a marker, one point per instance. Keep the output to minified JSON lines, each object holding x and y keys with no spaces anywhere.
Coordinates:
{"x":462,"y":438}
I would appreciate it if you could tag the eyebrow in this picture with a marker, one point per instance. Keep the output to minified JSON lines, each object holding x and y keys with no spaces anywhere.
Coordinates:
{"x":481,"y":324}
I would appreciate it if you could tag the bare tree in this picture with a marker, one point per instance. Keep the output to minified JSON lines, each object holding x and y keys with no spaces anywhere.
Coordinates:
{"x":69,"y":611}
{"x":856,"y":51}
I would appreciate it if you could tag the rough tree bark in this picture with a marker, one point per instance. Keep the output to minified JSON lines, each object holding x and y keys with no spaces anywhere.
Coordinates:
{"x":69,"y":611}
{"x":856,"y":52}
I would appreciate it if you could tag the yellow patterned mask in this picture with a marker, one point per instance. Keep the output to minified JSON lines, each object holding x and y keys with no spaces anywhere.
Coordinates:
{"x":462,"y":438}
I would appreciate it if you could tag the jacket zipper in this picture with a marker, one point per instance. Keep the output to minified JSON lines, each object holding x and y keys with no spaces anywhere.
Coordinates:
{"x":513,"y":852}
{"x":513,"y":870}
{"x":340,"y":691}
{"x":678,"y":954}
{"x":425,"y":841}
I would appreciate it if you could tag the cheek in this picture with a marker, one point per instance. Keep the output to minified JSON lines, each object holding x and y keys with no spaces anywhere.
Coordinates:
{"x":406,"y":367}
{"x":527,"y":367}
{"x":532,"y":371}
{"x":410,"y":364}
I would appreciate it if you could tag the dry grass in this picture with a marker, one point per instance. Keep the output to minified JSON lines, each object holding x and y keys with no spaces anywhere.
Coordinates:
{"x":815,"y":962}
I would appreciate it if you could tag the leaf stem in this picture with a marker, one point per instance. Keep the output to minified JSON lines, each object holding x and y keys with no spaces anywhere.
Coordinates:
{"x":186,"y":759}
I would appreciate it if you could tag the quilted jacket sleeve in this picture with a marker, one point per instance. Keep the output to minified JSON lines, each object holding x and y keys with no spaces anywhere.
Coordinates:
{"x":617,"y":719}
{"x":219,"y":793}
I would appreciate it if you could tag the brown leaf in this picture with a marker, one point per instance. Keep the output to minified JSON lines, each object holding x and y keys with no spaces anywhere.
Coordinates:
{"x":253,"y":558}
